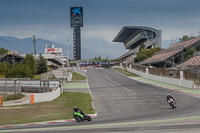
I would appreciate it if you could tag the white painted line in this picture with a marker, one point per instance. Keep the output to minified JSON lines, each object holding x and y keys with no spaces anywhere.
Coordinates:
{"x":88,"y":86}
{"x":120,"y":86}
{"x":90,"y":94}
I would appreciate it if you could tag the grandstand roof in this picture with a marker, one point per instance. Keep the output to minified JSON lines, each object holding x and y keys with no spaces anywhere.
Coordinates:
{"x":126,"y":31}
{"x":161,"y":57}
{"x":170,"y":52}
{"x":194,"y":61}
{"x":133,"y":36}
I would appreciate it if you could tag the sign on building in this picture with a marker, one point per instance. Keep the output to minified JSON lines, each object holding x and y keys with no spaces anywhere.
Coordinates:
{"x":76,"y":16}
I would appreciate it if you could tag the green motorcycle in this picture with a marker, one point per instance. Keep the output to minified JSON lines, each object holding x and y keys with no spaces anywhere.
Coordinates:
{"x":81,"y":117}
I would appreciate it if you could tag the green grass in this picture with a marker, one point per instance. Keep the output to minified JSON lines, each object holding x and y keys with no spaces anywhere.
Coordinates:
{"x":37,"y":77}
{"x":72,"y":85}
{"x":61,"y":108}
{"x":77,"y":76}
{"x":125,"y":72}
{"x":12,"y":97}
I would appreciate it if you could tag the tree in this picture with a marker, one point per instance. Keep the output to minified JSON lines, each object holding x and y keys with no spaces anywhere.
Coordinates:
{"x":3,"y":51}
{"x":42,"y":65}
{"x":18,"y":71}
{"x":99,"y":58}
{"x":145,"y":53}
{"x":189,"y":53}
{"x":30,"y":62}
{"x":105,"y":60}
{"x":185,"y":38}
{"x":3,"y":68}
{"x":96,"y":59}
{"x":197,"y":47}
{"x":142,"y":46}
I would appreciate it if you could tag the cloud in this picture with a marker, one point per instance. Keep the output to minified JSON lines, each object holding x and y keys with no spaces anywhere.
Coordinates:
{"x":171,"y":34}
{"x":105,"y":33}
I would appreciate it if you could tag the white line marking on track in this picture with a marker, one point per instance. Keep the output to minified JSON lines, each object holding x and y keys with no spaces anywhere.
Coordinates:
{"x":120,"y":86}
{"x":90,"y":92}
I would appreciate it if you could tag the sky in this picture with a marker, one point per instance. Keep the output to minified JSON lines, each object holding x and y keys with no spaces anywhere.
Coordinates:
{"x":103,"y":19}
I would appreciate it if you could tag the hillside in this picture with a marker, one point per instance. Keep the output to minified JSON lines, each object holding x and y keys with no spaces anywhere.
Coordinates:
{"x":24,"y":46}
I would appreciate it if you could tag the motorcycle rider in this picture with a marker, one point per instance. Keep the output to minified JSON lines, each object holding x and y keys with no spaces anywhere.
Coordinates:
{"x":80,"y":118}
{"x":169,"y":97}
{"x":77,"y":110}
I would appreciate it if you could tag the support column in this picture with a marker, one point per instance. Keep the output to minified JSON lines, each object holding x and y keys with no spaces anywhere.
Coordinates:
{"x":77,"y":43}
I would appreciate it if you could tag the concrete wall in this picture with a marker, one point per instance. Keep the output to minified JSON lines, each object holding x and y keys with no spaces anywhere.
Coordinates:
{"x":49,"y":96}
{"x":187,"y":84}
{"x":117,"y":67}
{"x":60,"y":74}
{"x":47,"y":75}
{"x":173,"y":81}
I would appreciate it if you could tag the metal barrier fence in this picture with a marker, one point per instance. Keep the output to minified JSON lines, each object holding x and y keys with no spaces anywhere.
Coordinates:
{"x":139,"y":68}
{"x":10,"y":88}
{"x":189,"y":73}
{"x":34,"y":86}
{"x":164,"y":72}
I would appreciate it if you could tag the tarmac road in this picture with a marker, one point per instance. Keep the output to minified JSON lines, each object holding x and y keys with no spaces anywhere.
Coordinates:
{"x":126,"y":105}
{"x":118,"y":98}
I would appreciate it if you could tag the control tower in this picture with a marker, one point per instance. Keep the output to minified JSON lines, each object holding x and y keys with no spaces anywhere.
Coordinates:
{"x":76,"y":21}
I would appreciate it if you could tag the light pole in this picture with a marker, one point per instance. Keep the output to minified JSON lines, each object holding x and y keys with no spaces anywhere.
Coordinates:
{"x":199,"y":32}
{"x":198,"y":77}
{"x":68,"y":52}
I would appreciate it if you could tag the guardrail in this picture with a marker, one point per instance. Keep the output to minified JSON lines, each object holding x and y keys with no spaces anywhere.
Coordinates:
{"x":14,"y":88}
{"x":30,"y":85}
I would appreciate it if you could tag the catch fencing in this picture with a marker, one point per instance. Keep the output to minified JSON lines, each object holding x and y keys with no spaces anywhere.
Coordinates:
{"x":33,"y":86}
{"x":10,"y":88}
{"x":191,"y":73}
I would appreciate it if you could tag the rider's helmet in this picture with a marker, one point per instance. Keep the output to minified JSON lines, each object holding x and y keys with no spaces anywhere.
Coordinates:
{"x":74,"y":107}
{"x":168,"y":94}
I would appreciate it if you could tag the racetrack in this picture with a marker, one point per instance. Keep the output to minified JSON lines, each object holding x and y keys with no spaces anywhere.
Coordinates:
{"x":126,"y":105}
{"x":119,"y":98}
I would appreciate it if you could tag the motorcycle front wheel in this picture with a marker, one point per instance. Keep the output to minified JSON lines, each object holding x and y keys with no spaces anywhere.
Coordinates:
{"x":77,"y":118}
{"x":89,"y":118}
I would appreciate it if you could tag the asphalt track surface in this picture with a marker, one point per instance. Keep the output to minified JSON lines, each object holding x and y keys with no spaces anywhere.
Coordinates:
{"x":124,"y":105}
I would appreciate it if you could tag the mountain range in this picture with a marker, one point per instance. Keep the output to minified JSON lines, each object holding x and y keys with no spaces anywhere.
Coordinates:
{"x":24,"y":46}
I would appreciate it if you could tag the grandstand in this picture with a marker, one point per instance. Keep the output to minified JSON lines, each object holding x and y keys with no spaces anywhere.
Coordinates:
{"x":133,"y":37}
{"x":169,"y":57}
{"x":54,"y":56}
{"x":11,"y":57}
{"x":52,"y":61}
{"x":192,"y":62}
